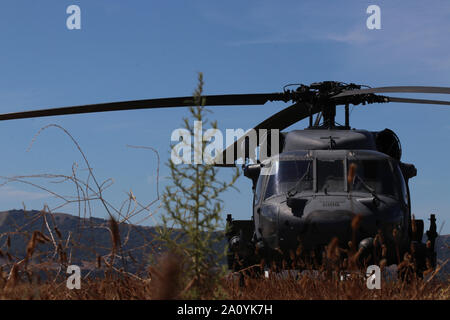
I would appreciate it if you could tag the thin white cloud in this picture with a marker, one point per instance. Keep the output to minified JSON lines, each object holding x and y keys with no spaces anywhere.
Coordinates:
{"x":351,"y":37}
{"x":356,"y":36}
{"x":262,"y":41}
{"x":10,"y":193}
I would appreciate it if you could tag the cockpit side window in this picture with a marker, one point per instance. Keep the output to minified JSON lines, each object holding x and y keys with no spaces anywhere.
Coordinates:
{"x":401,"y":181}
{"x":258,"y":189}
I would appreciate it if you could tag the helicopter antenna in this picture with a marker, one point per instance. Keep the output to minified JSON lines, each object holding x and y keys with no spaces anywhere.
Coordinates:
{"x":290,"y":85}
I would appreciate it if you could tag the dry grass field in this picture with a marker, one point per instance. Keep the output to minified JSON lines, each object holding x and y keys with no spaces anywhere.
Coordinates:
{"x":128,"y":288}
{"x":165,"y":281}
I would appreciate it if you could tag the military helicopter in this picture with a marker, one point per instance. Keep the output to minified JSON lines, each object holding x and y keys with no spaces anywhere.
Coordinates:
{"x":320,"y":177}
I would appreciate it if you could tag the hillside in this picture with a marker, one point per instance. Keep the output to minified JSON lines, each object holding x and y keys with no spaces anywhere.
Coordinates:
{"x":83,"y":240}
{"x":443,"y":249}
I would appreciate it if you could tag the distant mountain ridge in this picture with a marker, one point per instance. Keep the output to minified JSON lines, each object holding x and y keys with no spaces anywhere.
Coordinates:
{"x":85,"y":238}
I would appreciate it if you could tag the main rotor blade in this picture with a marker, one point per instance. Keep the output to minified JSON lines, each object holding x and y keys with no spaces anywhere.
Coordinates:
{"x":281,"y":120}
{"x":401,"y":89}
{"x":286,"y":117}
{"x":421,"y":101}
{"x":211,"y":100}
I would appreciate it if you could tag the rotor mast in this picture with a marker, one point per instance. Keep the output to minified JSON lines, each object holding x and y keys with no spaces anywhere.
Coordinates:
{"x":329,"y":115}
{"x":321,"y":96}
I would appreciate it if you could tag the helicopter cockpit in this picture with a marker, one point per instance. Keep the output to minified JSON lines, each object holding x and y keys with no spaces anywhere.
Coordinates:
{"x":314,"y":194}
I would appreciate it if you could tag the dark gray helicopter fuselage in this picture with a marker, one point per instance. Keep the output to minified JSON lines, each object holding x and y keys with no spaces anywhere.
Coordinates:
{"x":307,"y":195}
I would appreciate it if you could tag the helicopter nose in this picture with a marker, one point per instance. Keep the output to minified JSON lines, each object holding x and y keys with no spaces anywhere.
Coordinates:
{"x":324,"y":225}
{"x":322,"y":220}
{"x":319,"y":227}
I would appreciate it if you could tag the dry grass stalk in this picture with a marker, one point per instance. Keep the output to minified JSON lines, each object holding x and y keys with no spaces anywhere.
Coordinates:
{"x":166,"y":277}
{"x":115,"y":234}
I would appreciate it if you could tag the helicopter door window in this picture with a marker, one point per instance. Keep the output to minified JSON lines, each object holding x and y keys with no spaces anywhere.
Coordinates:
{"x":289,"y":174}
{"x":330,"y":176}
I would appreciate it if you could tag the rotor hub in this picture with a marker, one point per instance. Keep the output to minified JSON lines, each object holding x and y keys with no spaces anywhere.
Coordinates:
{"x":323,"y":95}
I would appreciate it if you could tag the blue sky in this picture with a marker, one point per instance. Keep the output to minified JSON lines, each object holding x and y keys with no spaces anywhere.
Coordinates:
{"x":148,"y":49}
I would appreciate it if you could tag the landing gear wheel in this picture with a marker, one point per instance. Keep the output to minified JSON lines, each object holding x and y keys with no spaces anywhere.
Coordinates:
{"x":241,"y":253}
{"x":422,"y":256}
{"x":414,"y":263}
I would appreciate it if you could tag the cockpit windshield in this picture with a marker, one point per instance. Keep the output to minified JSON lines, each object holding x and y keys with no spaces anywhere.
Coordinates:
{"x":288,"y":174}
{"x":379,"y":175}
{"x":330,"y":176}
{"x":376,"y":176}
